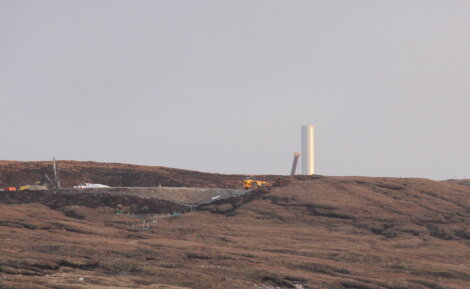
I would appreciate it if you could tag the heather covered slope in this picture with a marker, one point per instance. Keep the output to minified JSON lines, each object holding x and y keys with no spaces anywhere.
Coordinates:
{"x":463,"y":182}
{"x":387,"y":206}
{"x":324,"y":232}
{"x":14,"y":173}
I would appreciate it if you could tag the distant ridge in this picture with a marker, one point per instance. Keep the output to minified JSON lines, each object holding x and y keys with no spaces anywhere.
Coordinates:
{"x":16,"y":173}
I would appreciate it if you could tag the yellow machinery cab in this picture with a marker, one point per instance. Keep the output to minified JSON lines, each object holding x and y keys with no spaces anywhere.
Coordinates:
{"x":251,"y":184}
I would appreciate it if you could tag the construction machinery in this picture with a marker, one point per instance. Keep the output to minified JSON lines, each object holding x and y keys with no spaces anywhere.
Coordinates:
{"x":48,"y":182}
{"x":251,"y":183}
{"x":34,"y":187}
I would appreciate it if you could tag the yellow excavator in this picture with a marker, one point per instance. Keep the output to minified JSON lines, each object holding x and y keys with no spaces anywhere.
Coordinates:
{"x":46,"y":183}
{"x":251,"y":183}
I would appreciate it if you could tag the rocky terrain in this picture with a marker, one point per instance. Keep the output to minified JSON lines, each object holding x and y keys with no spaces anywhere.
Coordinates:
{"x":311,"y":232}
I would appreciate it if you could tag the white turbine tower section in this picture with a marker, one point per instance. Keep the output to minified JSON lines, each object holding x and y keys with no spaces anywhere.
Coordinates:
{"x":308,"y":153}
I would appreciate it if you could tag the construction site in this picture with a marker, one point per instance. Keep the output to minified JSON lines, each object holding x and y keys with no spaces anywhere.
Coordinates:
{"x":71,"y":224}
{"x":234,"y":144}
{"x":128,"y":226}
{"x":140,"y":192}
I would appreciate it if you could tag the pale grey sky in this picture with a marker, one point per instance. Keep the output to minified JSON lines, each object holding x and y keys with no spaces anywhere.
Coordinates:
{"x":224,"y":86}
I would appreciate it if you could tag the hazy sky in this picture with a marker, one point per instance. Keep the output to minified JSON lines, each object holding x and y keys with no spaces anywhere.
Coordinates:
{"x":224,"y":86}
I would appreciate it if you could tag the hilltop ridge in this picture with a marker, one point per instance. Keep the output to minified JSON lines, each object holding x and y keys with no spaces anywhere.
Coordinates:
{"x":14,"y":173}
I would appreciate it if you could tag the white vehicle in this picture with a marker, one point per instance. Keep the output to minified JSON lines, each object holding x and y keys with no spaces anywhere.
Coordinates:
{"x":88,"y":186}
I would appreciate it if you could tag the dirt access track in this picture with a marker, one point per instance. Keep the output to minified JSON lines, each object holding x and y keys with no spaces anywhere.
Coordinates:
{"x":137,"y":200}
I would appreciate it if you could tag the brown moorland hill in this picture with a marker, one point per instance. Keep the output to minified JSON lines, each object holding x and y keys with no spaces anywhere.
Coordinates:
{"x":463,"y":182}
{"x":14,"y":173}
{"x":321,"y":232}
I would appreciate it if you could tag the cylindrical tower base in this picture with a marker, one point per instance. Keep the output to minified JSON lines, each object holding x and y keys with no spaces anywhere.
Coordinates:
{"x":308,"y":153}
